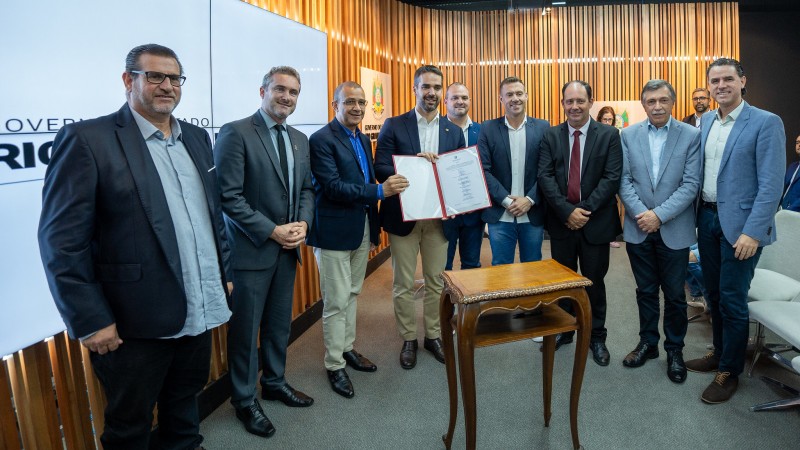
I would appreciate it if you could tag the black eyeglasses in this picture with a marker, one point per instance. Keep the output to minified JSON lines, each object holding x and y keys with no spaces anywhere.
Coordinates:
{"x":699,"y":99}
{"x":350,"y":102}
{"x":158,"y":77}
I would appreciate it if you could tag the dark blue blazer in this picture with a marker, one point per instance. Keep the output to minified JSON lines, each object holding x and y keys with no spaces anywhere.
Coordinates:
{"x":495,"y":150}
{"x":792,"y":198}
{"x":342,"y":195}
{"x":106,"y":235}
{"x":400,"y":136}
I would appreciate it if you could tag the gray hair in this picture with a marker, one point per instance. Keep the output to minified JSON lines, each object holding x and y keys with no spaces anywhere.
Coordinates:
{"x":284,"y":70}
{"x":654,"y":85}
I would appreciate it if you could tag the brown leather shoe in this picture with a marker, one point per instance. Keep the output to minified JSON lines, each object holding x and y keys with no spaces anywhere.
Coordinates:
{"x":408,"y":355}
{"x":721,"y":389}
{"x":706,"y":364}
{"x":435,"y":346}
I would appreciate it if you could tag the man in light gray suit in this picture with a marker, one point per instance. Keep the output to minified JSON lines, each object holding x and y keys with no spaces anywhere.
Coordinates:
{"x":744,"y":158}
{"x":268,"y":200}
{"x":660,"y":180}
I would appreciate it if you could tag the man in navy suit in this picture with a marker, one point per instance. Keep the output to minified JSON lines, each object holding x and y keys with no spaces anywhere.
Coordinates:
{"x":265,"y":182}
{"x":660,"y":180}
{"x":509,"y":148}
{"x":345,"y":227}
{"x":422,"y":132}
{"x":580,"y":164}
{"x":700,"y":100}
{"x":133,"y":244}
{"x":464,"y":231}
{"x":791,"y":186}
{"x":744,"y":159}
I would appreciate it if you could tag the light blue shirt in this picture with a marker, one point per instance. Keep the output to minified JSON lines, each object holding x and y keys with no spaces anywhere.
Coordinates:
{"x":206,"y":305}
{"x":273,"y":133}
{"x":657,"y":138}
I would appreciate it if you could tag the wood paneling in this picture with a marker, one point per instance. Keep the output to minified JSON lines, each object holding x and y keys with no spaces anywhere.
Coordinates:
{"x":49,"y":397}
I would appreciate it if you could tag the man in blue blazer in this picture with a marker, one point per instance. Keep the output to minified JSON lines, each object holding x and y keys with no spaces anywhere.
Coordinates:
{"x":422,"y":132}
{"x":464,"y":231}
{"x":509,"y":148}
{"x":660,"y":180}
{"x":133,"y":245}
{"x":580,"y":164}
{"x":345,"y":227}
{"x":791,"y":187}
{"x":744,"y":159}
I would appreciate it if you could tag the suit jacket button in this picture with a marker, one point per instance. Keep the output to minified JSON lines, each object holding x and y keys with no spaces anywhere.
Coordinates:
{"x":283,"y":196}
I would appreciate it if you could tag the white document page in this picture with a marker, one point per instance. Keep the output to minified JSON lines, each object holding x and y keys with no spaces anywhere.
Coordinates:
{"x":462,"y":181}
{"x":421,"y":199}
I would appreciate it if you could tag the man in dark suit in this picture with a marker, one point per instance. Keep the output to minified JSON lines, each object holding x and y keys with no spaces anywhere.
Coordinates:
{"x":579,"y":171}
{"x":743,"y":153}
{"x":133,"y":244}
{"x":509,"y":148}
{"x":345,"y":227}
{"x":466,"y":230}
{"x":660,"y":179}
{"x":424,"y":133}
{"x":791,"y":183}
{"x":701,"y":99}
{"x":268,"y":200}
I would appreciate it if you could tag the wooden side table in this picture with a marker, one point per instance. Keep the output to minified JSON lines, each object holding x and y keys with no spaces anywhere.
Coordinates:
{"x":486,"y":301}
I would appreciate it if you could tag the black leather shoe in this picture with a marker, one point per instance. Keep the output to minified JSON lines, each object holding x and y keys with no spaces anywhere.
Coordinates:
{"x":641,"y":354}
{"x":254,"y":420}
{"x":435,"y":346}
{"x":600,"y":353}
{"x":358,"y":361}
{"x":561,"y":339}
{"x":408,"y":355}
{"x":340,"y":383}
{"x":676,"y":368}
{"x":288,"y":395}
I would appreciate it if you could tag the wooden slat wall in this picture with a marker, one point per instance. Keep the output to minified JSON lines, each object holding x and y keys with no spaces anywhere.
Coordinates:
{"x":49,"y":397}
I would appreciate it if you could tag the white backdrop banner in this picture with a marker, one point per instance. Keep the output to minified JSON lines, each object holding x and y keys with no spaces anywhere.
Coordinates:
{"x":378,"y":90}
{"x":65,"y":64}
{"x":627,"y":112}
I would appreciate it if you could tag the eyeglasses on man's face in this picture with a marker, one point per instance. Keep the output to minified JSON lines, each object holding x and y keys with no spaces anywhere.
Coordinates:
{"x":350,"y":102}
{"x":699,"y":99}
{"x":158,"y":77}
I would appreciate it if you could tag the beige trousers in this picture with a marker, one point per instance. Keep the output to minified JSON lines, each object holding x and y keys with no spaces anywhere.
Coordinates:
{"x":341,"y":276}
{"x":427,"y":240}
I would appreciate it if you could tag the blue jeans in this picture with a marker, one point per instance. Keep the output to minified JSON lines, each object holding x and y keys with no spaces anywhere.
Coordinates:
{"x":467,"y":237}
{"x":694,"y":278}
{"x":727,"y":282}
{"x":503,"y":237}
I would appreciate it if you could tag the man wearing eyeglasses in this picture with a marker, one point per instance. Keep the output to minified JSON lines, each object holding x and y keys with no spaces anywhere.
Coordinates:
{"x":701,"y":98}
{"x":268,"y":201}
{"x":133,"y":244}
{"x":345,"y":227}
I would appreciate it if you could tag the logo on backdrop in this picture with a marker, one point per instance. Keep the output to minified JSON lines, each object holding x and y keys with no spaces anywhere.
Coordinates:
{"x":378,"y":86}
{"x":378,"y":108}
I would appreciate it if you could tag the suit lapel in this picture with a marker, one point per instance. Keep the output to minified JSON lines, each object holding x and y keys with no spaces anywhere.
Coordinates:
{"x":643,"y":142}
{"x":666,"y":153}
{"x":445,"y":128}
{"x":530,"y":151}
{"x":472,"y":132}
{"x":563,"y":136}
{"x":336,"y":129}
{"x":413,"y":132}
{"x":588,"y":147}
{"x":503,"y":130}
{"x":148,"y":186}
{"x":365,"y":142}
{"x":266,"y":139}
{"x":738,"y":125}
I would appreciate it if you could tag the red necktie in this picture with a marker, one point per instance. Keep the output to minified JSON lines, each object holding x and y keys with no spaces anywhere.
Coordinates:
{"x":574,"y":180}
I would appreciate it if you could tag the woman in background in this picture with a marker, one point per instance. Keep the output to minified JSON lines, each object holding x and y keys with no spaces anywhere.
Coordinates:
{"x":607,"y":116}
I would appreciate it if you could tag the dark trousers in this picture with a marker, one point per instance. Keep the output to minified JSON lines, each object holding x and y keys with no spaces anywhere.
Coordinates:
{"x":655,"y":266}
{"x":261,"y":306}
{"x":142,"y":372}
{"x":727,"y":282}
{"x":468,"y":237}
{"x":573,"y":251}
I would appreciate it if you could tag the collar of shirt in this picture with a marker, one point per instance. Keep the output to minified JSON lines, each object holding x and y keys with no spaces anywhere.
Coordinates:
{"x":651,"y":127}
{"x":584,"y":129}
{"x":524,"y":121}
{"x":270,"y":123}
{"x":731,"y":115}
{"x":148,"y":129}
{"x":424,"y":121}
{"x":347,"y":132}
{"x":466,"y":125}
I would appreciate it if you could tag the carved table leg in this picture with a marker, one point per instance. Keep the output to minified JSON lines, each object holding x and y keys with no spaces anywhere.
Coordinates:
{"x":467,"y":322}
{"x":583,"y":315}
{"x":446,"y":315}
{"x":548,"y":353}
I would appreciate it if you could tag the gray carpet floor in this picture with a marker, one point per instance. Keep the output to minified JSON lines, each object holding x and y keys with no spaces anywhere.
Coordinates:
{"x":620,"y":408}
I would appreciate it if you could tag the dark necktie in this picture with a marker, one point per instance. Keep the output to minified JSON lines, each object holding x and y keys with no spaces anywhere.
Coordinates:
{"x":282,"y":155}
{"x":574,"y":180}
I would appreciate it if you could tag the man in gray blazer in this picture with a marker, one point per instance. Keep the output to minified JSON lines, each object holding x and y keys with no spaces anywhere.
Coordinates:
{"x":660,"y":180}
{"x":268,"y":201}
{"x":744,"y":158}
